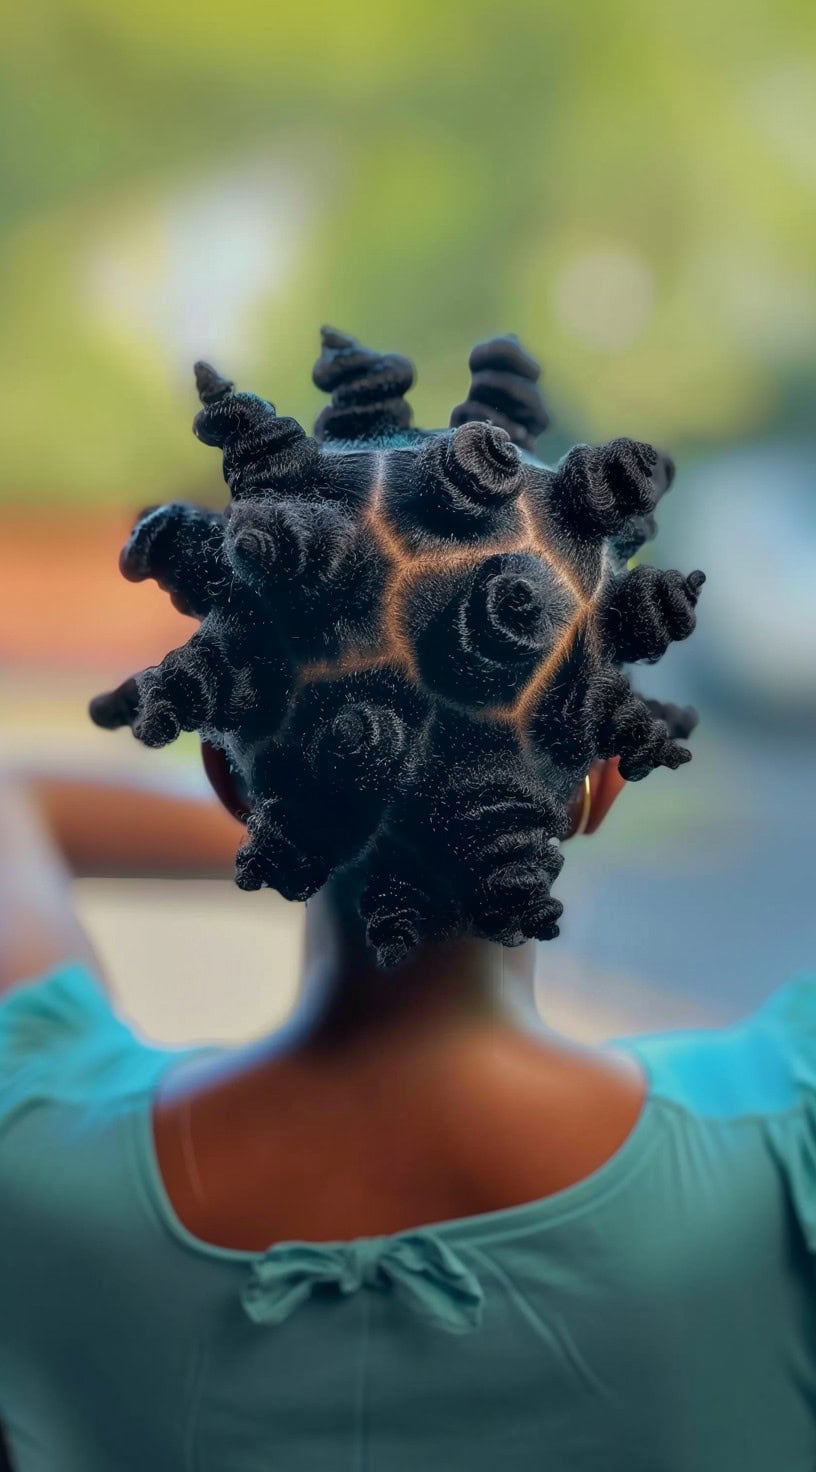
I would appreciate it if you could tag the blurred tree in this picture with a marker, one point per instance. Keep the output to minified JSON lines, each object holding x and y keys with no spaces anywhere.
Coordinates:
{"x":629,"y":187}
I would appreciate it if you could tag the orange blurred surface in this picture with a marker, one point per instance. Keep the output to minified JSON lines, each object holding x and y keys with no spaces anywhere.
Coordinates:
{"x":64,"y":602}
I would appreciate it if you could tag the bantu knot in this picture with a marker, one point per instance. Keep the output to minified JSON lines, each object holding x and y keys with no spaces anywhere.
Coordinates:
{"x":628,"y":729}
{"x":499,"y":823}
{"x":595,"y":491}
{"x":639,"y":529}
{"x":209,"y":383}
{"x":479,"y":634}
{"x":117,"y":707}
{"x":504,"y":391}
{"x":647,"y":610}
{"x":181,"y":546}
{"x":397,"y":911}
{"x":680,"y":720}
{"x":289,"y":541}
{"x":262,"y":452}
{"x":316,"y":568}
{"x":362,"y":741}
{"x":460,"y":485}
{"x":358,"y":726}
{"x":477,"y":469}
{"x":189,"y":690}
{"x":367,"y":390}
{"x":275,"y":856}
{"x":220,"y":681}
{"x":338,"y":764}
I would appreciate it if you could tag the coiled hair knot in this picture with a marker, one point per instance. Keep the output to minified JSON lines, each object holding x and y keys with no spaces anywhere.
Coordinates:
{"x":596,"y":491}
{"x":368,"y":390}
{"x":504,"y":391}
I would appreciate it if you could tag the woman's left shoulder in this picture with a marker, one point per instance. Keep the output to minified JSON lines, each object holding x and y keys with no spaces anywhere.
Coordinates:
{"x":792,"y":1006}
{"x":754,"y":1067}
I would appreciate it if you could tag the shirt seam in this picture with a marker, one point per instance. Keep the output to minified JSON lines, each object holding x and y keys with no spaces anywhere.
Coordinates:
{"x":361,"y":1415}
{"x":192,"y":1460}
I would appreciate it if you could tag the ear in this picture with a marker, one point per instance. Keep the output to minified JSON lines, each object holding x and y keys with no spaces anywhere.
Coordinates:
{"x":223,"y":784}
{"x":605,"y":783}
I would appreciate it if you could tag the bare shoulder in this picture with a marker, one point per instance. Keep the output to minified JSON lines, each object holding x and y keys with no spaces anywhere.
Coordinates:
{"x":548,"y":1114}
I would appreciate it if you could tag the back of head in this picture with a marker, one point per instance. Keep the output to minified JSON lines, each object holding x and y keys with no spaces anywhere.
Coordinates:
{"x":411,"y":642}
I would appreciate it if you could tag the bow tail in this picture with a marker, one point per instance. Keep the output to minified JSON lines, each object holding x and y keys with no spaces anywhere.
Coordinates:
{"x":454,"y":1304}
{"x":271,"y":1303}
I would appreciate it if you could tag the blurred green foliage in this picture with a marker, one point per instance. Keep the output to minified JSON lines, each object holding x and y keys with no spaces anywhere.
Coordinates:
{"x":428,"y":173}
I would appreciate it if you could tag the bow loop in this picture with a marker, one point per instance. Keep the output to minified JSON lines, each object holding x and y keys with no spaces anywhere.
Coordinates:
{"x":419,"y":1266}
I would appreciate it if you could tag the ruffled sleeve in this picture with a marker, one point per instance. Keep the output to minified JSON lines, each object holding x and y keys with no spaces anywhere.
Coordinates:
{"x":58,"y":1035}
{"x":791,"y":1133}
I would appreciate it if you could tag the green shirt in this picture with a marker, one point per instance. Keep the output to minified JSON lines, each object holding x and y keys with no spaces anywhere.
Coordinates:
{"x":659,"y":1316}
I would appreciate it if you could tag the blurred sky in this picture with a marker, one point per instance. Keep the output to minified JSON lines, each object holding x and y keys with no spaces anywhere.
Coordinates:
{"x":630,"y":187}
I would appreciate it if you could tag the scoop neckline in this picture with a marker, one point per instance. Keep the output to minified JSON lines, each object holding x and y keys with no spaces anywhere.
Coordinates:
{"x":482,"y":1227}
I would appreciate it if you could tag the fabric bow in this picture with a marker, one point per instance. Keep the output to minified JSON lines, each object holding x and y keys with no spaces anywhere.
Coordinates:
{"x":419,"y":1265}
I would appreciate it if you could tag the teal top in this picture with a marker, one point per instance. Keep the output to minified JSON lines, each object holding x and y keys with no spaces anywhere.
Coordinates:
{"x":659,"y":1316}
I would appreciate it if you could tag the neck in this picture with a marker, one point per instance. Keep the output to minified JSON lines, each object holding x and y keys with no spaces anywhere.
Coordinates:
{"x":463,"y":984}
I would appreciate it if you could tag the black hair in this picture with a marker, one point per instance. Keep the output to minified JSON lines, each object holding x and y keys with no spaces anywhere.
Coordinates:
{"x":411,"y":642}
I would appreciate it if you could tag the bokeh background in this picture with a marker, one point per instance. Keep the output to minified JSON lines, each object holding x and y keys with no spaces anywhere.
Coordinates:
{"x":632,"y":189}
